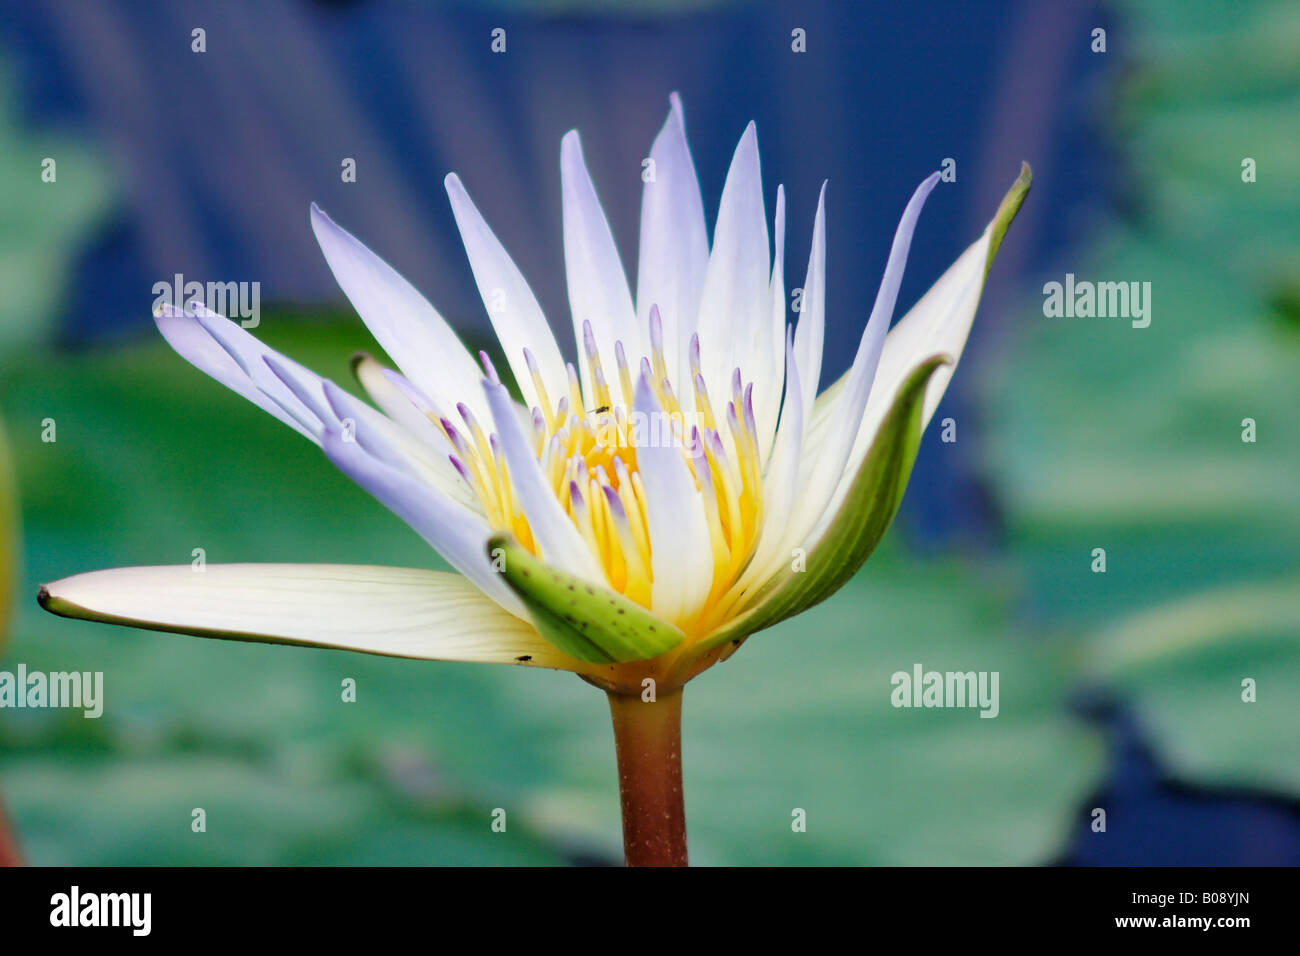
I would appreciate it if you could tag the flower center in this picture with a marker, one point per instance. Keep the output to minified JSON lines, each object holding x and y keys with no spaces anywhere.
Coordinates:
{"x":587,"y":449}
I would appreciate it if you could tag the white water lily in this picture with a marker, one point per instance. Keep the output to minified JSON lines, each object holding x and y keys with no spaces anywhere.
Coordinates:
{"x":584,"y":543}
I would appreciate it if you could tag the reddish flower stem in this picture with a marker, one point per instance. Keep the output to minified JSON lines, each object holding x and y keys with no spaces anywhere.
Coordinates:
{"x":648,"y":741}
{"x":9,"y":855}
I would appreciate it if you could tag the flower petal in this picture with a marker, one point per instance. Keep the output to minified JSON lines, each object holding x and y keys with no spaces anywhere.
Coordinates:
{"x":681,"y":555}
{"x":598,"y":290}
{"x":396,"y":397}
{"x":398,"y":612}
{"x":402,"y":321}
{"x":939,"y":323}
{"x":865,"y":504}
{"x":674,"y":250}
{"x":768,"y":403}
{"x":450,"y":529}
{"x":780,"y":483}
{"x":876,"y":492}
{"x":735,"y":306}
{"x":558,"y":537}
{"x":194,"y":343}
{"x":516,"y":316}
{"x":828,"y":465}
{"x":810,"y":332}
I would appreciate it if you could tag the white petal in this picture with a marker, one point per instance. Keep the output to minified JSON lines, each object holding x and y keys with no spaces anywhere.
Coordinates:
{"x":829,"y":464}
{"x":409,"y":329}
{"x":297,"y":389}
{"x":186,"y":334}
{"x":398,"y":405}
{"x":735,"y":306}
{"x":456,"y":533}
{"x":305,"y":387}
{"x":810,"y":332}
{"x":598,"y":290}
{"x":681,"y":555}
{"x":557,"y":536}
{"x":781,"y":482}
{"x":431,"y":446}
{"x":769,"y":385}
{"x":674,"y":251}
{"x":780,"y":485}
{"x":516,"y":316}
{"x":399,"y":612}
{"x":938,"y":324}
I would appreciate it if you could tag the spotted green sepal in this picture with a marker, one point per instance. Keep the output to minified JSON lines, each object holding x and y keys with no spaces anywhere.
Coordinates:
{"x":862,"y":519}
{"x":584,"y":620}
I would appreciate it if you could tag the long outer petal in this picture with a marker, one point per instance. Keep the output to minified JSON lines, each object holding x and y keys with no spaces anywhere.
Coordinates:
{"x":598,"y":291}
{"x":194,"y":343}
{"x":828,"y":466}
{"x":735,"y":306}
{"x":810,"y":333}
{"x":674,"y":250}
{"x":511,"y":306}
{"x":398,"y":612}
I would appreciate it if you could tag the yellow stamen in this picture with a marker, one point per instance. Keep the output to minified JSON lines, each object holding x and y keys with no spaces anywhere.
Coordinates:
{"x":585,"y":449}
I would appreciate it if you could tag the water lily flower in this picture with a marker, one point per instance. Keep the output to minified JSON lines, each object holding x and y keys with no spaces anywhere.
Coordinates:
{"x":640,"y":512}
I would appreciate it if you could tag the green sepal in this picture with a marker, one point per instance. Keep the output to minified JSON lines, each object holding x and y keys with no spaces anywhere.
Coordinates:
{"x":863,"y":517}
{"x":1007,"y":210}
{"x":584,"y":620}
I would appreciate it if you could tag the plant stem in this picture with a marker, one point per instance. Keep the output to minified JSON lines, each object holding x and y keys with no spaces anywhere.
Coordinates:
{"x":648,"y":741}
{"x":9,"y":855}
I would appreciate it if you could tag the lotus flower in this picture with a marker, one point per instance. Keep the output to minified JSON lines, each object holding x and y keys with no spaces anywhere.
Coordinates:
{"x":639,"y":514}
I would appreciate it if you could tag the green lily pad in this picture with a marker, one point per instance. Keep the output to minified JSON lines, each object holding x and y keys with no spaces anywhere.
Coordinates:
{"x":1214,"y":679}
{"x":1175,"y":447}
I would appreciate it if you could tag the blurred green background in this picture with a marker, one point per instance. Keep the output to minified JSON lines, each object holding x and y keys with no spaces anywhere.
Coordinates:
{"x":1088,"y":434}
